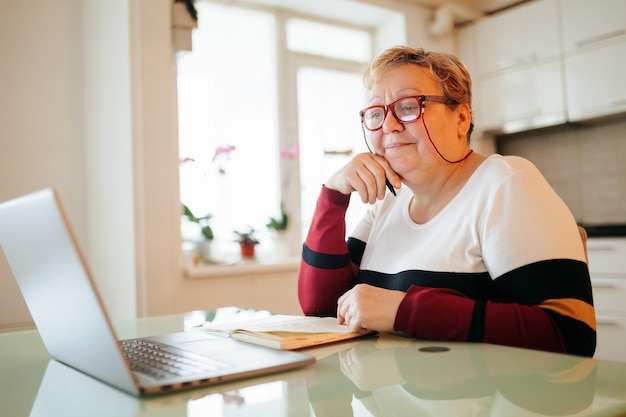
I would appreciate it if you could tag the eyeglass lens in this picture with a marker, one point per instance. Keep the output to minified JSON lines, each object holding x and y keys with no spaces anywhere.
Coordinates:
{"x":405,"y":110}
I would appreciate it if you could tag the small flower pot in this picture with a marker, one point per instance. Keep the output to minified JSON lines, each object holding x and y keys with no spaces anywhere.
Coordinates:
{"x":204,"y":250}
{"x":247,"y":250}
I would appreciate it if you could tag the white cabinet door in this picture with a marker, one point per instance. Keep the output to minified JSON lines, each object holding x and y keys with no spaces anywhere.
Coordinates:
{"x":586,"y":23}
{"x":609,"y":293}
{"x":595,"y":82}
{"x":519,"y":80}
{"x":607,"y":257}
{"x":611,"y":337}
{"x":608,"y":298}
{"x":468,"y":48}
{"x":523,"y":99}
{"x":522,"y":35}
{"x":607,"y":265}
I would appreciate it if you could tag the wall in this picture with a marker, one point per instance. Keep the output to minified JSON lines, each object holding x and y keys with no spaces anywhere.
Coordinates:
{"x":586,"y":165}
{"x":41,"y":117}
{"x":88,"y":106}
{"x":108,"y":141}
{"x":414,"y":28}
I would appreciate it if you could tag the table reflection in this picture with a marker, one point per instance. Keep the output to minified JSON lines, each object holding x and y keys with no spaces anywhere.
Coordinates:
{"x":67,"y":392}
{"x":380,"y":375}
{"x":401,"y":377}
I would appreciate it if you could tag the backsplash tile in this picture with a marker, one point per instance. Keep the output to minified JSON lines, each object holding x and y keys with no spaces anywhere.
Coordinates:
{"x":586,"y":165}
{"x":601,"y":200}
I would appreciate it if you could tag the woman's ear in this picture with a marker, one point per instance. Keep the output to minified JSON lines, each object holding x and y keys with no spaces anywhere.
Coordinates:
{"x":465,"y":120}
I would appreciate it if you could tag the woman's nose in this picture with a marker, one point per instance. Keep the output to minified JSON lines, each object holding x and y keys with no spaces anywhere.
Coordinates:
{"x":391,"y":123}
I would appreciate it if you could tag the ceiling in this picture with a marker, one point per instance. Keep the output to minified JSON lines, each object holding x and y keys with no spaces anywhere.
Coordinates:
{"x":478,"y":6}
{"x":447,"y":13}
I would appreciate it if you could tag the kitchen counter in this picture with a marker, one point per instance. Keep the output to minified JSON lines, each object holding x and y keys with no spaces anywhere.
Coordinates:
{"x":607,"y":230}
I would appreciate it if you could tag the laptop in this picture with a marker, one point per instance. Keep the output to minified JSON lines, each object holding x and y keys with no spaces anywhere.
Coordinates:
{"x":64,"y":303}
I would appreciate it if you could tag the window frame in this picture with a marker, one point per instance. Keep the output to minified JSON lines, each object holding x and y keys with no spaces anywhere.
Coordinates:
{"x":294,"y":62}
{"x":287,"y":65}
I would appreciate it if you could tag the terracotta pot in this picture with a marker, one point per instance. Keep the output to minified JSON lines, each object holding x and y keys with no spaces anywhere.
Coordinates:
{"x":247,"y":250}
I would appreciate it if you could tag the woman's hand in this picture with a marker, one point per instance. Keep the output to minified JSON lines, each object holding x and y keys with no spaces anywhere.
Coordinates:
{"x":365,"y":307}
{"x":365,"y":174}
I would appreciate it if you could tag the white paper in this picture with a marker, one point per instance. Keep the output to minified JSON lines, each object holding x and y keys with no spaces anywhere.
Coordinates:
{"x":285,"y":323}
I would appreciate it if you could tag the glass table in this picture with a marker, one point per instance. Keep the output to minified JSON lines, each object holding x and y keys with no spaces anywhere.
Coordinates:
{"x":377,"y":375}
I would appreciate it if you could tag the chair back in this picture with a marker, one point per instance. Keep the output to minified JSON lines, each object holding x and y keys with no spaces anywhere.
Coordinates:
{"x":583,"y":237}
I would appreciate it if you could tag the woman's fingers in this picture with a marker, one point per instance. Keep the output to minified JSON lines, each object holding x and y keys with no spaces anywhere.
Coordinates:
{"x":366,"y":174}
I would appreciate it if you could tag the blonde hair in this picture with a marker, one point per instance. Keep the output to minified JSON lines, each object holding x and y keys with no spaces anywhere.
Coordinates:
{"x":448,"y":70}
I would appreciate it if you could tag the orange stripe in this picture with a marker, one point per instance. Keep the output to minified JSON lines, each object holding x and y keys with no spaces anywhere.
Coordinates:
{"x":574,"y":308}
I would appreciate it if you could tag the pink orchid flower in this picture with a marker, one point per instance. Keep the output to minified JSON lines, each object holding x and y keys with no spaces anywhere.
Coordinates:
{"x":223,"y":150}
{"x":290,"y":153}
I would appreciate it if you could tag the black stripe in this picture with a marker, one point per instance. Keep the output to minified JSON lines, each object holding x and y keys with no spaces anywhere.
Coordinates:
{"x":474,"y":285}
{"x":356,"y":248}
{"x":539,"y":281}
{"x":477,"y":326}
{"x":579,"y":338}
{"x":323,"y":260}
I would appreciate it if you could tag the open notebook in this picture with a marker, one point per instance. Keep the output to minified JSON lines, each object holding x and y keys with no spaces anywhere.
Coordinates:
{"x":287,"y":332}
{"x":74,"y":326}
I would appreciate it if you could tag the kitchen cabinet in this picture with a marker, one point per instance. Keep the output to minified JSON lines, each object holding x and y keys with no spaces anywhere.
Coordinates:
{"x":586,"y":25}
{"x":595,"y":85}
{"x":594,"y":41}
{"x":520,"y":71}
{"x":524,"y":35}
{"x":607,"y":266}
{"x":547,"y":62}
{"x":480,"y":142}
{"x":523,"y":99}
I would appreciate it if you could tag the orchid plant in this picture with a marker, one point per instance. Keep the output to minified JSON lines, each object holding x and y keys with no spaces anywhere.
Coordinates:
{"x":220,"y":156}
{"x":288,"y":155}
{"x":279,"y":223}
{"x":203,"y":222}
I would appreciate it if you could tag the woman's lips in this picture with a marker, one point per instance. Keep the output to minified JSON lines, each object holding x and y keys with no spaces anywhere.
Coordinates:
{"x":396,"y":145}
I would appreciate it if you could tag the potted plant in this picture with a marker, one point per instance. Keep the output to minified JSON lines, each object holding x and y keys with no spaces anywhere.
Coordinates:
{"x":247,"y":242}
{"x":278,"y":229}
{"x":280,"y":223}
{"x":206,"y":233}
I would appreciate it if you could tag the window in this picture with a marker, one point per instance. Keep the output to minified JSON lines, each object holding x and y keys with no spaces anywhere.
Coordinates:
{"x":232,"y":131}
{"x":227,"y":120}
{"x":329,"y":132}
{"x":329,"y":95}
{"x":331,"y":41}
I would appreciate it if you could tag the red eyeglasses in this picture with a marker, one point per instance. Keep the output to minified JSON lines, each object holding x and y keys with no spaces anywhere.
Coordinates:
{"x":405,"y":110}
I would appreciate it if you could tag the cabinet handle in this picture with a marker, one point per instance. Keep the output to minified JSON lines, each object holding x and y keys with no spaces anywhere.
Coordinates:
{"x":617,"y":103}
{"x":606,"y":106}
{"x":522,"y":116}
{"x":602,"y":285}
{"x":606,"y":321}
{"x":600,"y":248}
{"x":598,"y":38}
{"x":513,"y":62}
{"x":347,"y":152}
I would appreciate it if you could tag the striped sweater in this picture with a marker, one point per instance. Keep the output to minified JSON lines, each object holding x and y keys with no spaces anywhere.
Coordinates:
{"x":502,"y":263}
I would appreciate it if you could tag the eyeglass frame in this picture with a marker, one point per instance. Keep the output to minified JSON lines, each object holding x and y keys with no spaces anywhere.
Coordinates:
{"x":391,"y":108}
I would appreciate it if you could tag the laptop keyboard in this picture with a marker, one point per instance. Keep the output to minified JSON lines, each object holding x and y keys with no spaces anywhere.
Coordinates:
{"x":160,"y":361}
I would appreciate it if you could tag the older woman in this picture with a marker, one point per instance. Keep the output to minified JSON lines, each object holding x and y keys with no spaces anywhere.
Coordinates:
{"x":471,"y":248}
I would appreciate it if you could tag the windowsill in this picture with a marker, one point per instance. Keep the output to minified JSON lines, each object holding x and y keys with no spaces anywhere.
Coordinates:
{"x":243,"y":267}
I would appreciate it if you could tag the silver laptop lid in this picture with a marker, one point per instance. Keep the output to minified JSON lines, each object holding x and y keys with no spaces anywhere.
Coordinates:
{"x":56,"y":285}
